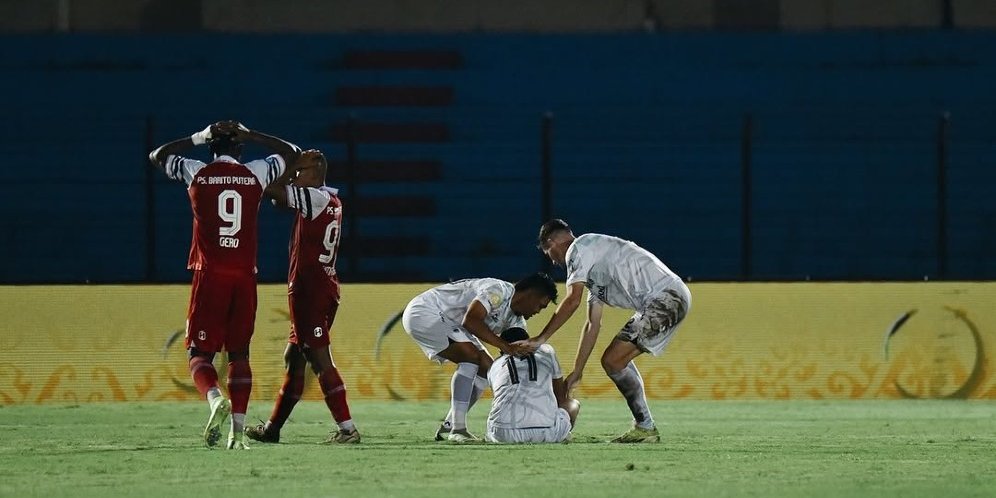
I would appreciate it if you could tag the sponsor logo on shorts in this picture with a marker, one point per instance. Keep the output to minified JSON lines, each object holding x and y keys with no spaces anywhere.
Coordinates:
{"x":202,"y":335}
{"x":318,"y":331}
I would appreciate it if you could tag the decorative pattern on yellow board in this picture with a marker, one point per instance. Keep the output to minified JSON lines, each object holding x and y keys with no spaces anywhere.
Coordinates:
{"x":70,"y":344}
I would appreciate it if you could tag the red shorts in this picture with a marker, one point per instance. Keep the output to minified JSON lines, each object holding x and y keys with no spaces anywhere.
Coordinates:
{"x":222,"y":312}
{"x":312,"y":311}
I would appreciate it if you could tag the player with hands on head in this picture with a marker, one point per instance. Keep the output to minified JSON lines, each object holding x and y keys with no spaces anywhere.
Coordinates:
{"x":617,"y":273}
{"x":313,"y":296}
{"x":224,"y":197}
{"x":450,"y":321}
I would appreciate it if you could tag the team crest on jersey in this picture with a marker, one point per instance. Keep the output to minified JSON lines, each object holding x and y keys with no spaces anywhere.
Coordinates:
{"x":318,"y":331}
{"x":494,"y":299}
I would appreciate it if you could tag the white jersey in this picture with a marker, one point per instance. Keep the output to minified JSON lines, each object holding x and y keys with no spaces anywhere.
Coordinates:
{"x":523,"y":390}
{"x":618,"y":272}
{"x":185,"y":169}
{"x":453,"y":299}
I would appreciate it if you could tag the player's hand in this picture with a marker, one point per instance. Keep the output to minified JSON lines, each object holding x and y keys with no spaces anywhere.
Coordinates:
{"x":516,"y":349}
{"x":310,"y":158}
{"x":572,"y":380}
{"x":231,"y":128}
{"x":528,"y":345}
{"x":241,"y":132}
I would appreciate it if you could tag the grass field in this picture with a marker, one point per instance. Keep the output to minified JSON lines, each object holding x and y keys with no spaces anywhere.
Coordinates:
{"x":852,"y":448}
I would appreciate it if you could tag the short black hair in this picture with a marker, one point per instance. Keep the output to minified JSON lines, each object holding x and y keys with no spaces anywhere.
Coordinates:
{"x":541,"y":282}
{"x":548,"y":229}
{"x":515,"y":334}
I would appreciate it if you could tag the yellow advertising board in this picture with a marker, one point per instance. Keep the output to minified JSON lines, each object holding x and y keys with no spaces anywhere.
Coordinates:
{"x":740,"y":341}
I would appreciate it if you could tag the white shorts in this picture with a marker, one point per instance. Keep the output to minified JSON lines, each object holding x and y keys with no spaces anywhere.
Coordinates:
{"x":432,"y":331}
{"x":557,"y":433}
{"x":651,"y":330}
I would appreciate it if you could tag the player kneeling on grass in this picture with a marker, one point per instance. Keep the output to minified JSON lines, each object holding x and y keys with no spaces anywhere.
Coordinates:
{"x":313,"y":294}
{"x":531,"y":403}
{"x":449,"y":322}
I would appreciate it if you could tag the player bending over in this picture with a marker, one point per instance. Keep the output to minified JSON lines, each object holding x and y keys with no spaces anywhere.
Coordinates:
{"x":449,"y":322}
{"x":531,"y":403}
{"x":224,"y":197}
{"x":618,"y":273}
{"x":313,"y":295}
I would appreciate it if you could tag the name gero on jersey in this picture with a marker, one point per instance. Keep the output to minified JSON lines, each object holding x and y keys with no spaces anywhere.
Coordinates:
{"x":224,"y":196}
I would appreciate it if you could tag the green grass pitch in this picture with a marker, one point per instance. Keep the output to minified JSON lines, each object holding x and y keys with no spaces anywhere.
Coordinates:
{"x":849,"y":448}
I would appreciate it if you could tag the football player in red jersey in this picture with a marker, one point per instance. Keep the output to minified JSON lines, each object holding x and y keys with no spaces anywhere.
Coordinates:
{"x":224,"y":197}
{"x":313,"y":293}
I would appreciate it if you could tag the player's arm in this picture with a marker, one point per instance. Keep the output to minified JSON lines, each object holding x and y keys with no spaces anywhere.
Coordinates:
{"x":473,"y":322}
{"x":288,"y":151}
{"x":565,"y":310}
{"x":589,"y":335}
{"x":560,"y":390}
{"x":277,"y":189}
{"x":158,"y":156}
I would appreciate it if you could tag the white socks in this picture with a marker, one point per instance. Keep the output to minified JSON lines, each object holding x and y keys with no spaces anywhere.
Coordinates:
{"x":238,"y":423}
{"x":462,"y":388}
{"x":630,"y":384}
{"x":213,"y":394}
{"x":481,"y":384}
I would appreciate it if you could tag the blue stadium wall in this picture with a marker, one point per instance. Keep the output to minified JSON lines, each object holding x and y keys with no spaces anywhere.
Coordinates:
{"x":647,"y":144}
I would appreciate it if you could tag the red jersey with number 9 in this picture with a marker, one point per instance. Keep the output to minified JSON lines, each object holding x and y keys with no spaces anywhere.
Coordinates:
{"x":315,"y":241}
{"x":224,"y":197}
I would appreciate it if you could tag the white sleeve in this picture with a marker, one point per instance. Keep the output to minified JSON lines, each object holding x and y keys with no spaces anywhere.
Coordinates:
{"x":555,"y":367}
{"x":491,"y":296}
{"x":577,"y":267}
{"x":181,"y":168}
{"x":267,"y":169}
{"x":309,"y":201}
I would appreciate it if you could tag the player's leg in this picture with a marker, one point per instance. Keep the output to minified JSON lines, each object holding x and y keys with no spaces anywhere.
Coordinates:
{"x":204,"y":337}
{"x":618,"y":364}
{"x":480,"y":385}
{"x":334,"y":390}
{"x":241,"y":323}
{"x":441,"y":341}
{"x":466,"y":357}
{"x":295,"y":366}
{"x":649,"y":331}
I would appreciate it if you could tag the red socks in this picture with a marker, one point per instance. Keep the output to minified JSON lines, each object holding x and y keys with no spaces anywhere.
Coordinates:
{"x":335,"y":394}
{"x":239,"y":385}
{"x":203,"y":373}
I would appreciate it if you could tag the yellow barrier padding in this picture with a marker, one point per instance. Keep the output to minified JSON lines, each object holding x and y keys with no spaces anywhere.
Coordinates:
{"x":740,"y":341}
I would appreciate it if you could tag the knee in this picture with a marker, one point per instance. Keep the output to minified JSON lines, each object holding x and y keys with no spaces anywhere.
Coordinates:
{"x":319,"y":363}
{"x":483,"y":365}
{"x":293,"y":359}
{"x":573,"y":408}
{"x":238,"y":355}
{"x":611,"y":364}
{"x":196,"y":353}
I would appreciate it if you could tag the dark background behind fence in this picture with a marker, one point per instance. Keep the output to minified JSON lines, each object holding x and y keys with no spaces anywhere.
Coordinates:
{"x":756,"y":156}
